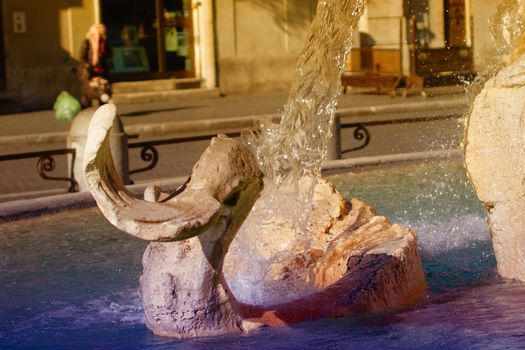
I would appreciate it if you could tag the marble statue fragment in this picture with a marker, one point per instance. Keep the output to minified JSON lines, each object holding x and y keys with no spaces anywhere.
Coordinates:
{"x":494,"y":147}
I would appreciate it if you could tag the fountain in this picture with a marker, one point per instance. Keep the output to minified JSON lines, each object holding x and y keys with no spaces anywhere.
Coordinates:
{"x":198,"y":273}
{"x":70,"y":280}
{"x":231,"y":250}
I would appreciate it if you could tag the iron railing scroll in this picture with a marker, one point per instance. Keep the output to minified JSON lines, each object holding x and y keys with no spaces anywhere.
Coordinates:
{"x":46,"y":164}
{"x":150,"y":154}
{"x":361,"y":134}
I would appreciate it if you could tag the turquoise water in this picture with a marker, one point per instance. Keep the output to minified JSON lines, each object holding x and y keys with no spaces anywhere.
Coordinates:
{"x":437,"y":200}
{"x":69,"y":280}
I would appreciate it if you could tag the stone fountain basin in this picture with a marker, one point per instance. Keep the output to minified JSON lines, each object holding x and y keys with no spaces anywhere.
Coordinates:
{"x":454,"y":244}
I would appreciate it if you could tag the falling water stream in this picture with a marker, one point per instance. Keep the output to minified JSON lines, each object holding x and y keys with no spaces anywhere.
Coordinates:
{"x":294,"y":149}
{"x":290,"y":155}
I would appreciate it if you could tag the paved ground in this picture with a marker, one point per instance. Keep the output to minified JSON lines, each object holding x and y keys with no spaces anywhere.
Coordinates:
{"x":193,"y":109}
{"x":177,"y":160}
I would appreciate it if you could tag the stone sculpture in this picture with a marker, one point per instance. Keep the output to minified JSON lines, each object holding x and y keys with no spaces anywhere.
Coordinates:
{"x":356,"y":262}
{"x":494,"y":147}
{"x":77,"y":139}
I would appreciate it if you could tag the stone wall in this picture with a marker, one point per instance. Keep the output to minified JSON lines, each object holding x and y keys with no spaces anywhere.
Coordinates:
{"x":38,"y":87}
{"x":382,"y":20}
{"x":43,"y":61}
{"x":259,"y":41}
{"x":384,"y":25}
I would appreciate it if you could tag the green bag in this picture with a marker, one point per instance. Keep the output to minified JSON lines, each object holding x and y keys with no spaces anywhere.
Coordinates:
{"x":66,"y":107}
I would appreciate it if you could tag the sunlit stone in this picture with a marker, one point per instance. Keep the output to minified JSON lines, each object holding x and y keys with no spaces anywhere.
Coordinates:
{"x":494,"y":148}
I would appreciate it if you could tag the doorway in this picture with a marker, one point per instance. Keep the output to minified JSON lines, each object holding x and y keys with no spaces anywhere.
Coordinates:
{"x":151,"y":39}
{"x":455,"y":23}
{"x":2,"y":52}
{"x":443,"y":52}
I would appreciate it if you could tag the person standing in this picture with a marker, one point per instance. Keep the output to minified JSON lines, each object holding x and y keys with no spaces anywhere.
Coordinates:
{"x":94,"y":70}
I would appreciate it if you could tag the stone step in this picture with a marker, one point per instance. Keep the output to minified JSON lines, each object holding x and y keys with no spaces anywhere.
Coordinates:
{"x":165,"y":95}
{"x":156,"y":85}
{"x":9,"y":106}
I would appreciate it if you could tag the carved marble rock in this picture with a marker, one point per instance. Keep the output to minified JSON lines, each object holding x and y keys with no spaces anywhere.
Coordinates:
{"x":224,"y":168}
{"x":494,"y":147}
{"x":181,"y":286}
{"x":356,"y":261}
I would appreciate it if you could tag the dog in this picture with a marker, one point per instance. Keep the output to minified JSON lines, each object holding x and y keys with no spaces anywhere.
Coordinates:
{"x":95,"y":89}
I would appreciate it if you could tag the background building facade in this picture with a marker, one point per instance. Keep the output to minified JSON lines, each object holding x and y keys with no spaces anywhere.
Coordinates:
{"x":236,"y":45}
{"x":259,"y":40}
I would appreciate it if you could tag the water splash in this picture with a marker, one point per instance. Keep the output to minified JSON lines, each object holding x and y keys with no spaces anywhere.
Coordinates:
{"x":290,"y":155}
{"x":507,"y":34}
{"x":295,"y":148}
{"x":506,"y":27}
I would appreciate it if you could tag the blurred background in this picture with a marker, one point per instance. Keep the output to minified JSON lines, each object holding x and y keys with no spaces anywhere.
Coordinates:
{"x":234,"y":45}
{"x":185,"y":70}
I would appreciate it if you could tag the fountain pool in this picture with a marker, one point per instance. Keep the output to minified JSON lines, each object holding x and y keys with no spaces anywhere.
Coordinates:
{"x":69,"y":280}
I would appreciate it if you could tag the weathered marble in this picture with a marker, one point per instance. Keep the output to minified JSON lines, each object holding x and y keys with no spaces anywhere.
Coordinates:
{"x":224,"y":167}
{"x":351,"y":259}
{"x":181,"y":284}
{"x":354,"y":261}
{"x":77,"y":139}
{"x":494,"y":147}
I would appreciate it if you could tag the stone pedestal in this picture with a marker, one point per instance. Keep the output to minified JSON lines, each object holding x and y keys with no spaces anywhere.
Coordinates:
{"x":361,"y":263}
{"x":347,"y":260}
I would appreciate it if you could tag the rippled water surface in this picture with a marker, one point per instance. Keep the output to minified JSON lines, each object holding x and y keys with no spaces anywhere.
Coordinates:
{"x":70,"y":280}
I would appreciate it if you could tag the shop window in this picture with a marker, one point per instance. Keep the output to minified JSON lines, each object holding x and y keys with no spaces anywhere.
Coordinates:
{"x":154,"y":36}
{"x":178,"y":35}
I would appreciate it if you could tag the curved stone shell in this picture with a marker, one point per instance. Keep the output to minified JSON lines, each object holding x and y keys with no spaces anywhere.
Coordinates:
{"x":224,"y":166}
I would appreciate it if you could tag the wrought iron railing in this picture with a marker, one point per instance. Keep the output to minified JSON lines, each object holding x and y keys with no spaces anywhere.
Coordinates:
{"x":46,"y":164}
{"x":363,"y":135}
{"x":150,"y":154}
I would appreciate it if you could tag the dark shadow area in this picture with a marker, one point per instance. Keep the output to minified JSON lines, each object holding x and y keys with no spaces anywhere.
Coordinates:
{"x":8,"y":106}
{"x":132,"y":24}
{"x":149,"y":111}
{"x":150,"y":39}
{"x":37,"y":63}
{"x":291,"y":16}
{"x":2,"y":55}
